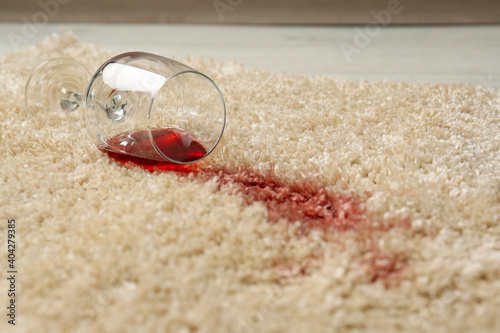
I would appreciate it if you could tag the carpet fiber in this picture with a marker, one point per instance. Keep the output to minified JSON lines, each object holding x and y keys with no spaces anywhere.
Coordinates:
{"x":329,"y":206}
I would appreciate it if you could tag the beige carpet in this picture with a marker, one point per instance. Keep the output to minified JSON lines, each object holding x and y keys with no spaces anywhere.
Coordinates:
{"x":109,"y":248}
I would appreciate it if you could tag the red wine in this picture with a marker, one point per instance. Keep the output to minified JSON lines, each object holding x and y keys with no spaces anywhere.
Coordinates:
{"x":306,"y":203}
{"x":136,"y":148}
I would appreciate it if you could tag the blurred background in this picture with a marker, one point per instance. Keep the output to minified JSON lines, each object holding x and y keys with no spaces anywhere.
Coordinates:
{"x":452,"y":41}
{"x":256,"y":11}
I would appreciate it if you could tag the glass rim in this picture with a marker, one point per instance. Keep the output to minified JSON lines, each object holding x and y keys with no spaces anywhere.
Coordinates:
{"x":153,"y":98}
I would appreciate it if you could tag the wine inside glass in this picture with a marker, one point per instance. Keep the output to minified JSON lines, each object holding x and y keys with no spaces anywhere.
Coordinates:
{"x":137,"y":107}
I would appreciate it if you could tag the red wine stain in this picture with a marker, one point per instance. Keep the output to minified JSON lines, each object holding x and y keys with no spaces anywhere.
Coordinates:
{"x":305,"y":203}
{"x":384,"y":267}
{"x":309,"y":205}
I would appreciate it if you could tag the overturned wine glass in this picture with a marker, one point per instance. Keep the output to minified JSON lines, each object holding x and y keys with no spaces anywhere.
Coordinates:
{"x":137,"y":107}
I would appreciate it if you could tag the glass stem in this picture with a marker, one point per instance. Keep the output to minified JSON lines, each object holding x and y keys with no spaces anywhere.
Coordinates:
{"x":70,"y":101}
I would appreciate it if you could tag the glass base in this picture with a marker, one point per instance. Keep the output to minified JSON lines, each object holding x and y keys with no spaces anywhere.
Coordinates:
{"x":56,"y":85}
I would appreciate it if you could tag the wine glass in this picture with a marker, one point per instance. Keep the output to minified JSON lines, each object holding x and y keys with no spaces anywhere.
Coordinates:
{"x":137,"y":107}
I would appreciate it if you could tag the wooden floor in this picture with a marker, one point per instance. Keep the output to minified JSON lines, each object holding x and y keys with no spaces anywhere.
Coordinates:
{"x":254,"y":11}
{"x":453,"y":54}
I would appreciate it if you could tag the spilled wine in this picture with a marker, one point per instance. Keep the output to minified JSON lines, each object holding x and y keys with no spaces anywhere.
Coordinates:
{"x":136,"y":148}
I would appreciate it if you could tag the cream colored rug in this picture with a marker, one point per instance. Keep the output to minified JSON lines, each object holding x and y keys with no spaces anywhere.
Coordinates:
{"x":339,"y":207}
